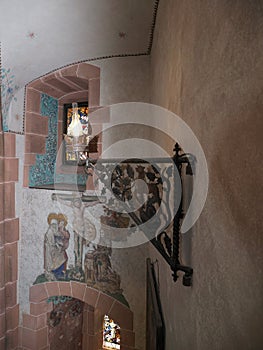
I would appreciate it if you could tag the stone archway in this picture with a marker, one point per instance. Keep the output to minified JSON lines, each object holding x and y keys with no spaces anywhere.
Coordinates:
{"x":77,"y":82}
{"x":34,"y":330}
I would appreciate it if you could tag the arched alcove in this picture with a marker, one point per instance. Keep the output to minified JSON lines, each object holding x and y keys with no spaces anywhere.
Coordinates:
{"x":34,"y":331}
{"x":43,"y":123}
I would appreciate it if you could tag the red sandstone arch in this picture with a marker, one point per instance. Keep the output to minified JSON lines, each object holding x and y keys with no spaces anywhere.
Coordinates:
{"x":78,"y":82}
{"x":34,"y":330}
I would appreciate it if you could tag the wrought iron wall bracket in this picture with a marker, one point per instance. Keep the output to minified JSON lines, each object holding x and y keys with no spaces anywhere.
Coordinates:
{"x":166,"y":244}
{"x":169,"y":247}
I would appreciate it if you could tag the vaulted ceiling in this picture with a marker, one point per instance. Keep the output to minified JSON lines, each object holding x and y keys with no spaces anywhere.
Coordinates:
{"x":39,"y":36}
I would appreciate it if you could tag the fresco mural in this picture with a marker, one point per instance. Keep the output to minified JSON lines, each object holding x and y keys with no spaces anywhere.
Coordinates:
{"x":55,"y":245}
{"x":92,"y":236}
{"x":65,"y":323}
{"x":92,"y":261}
{"x":8,"y":93}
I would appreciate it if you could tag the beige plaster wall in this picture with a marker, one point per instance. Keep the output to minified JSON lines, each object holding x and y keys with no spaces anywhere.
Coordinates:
{"x":207,"y":67}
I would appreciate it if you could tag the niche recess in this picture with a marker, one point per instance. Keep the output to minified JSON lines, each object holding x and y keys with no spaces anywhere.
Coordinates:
{"x":45,"y":99}
{"x":35,"y":329}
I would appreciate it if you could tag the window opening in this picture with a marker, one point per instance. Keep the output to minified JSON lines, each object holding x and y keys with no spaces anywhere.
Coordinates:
{"x":82,"y":112}
{"x":111,"y":334}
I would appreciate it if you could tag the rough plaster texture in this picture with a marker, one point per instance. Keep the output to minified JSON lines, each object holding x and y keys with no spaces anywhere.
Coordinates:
{"x":206,"y":67}
{"x":62,"y":32}
{"x":124,"y":79}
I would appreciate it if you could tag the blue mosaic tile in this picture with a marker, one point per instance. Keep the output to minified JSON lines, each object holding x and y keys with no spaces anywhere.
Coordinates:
{"x":43,"y":172}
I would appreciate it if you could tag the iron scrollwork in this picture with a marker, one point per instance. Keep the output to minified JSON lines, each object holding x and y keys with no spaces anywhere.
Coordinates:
{"x":161,"y":182}
{"x":169,"y":246}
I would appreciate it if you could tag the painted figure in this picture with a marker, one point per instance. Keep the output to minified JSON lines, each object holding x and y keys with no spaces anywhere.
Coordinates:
{"x":83,"y":227}
{"x":55,"y":245}
{"x":65,"y":235}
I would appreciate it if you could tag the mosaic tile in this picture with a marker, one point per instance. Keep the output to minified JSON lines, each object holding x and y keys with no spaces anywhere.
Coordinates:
{"x":43,"y":172}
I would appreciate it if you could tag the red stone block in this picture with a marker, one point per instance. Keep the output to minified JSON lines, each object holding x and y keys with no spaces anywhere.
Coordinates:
{"x":32,"y":100}
{"x":52,"y":289}
{"x":60,"y":133}
{"x":2,"y":340}
{"x":94,"y":92}
{"x":1,"y":201}
{"x":91,"y":296}
{"x":11,"y":294}
{"x":67,"y":81}
{"x":2,"y":234}
{"x":51,"y":91}
{"x":104,"y":303}
{"x":26,"y":176}
{"x":122,"y":315}
{"x":2,"y":270}
{"x":2,"y":325}
{"x":78,"y":290}
{"x":65,"y":288}
{"x":38,"y":293}
{"x":80,"y":83}
{"x":2,"y":170}
{"x":34,"y":339}
{"x":11,"y":169}
{"x":37,"y":309}
{"x":36,"y":124}
{"x":34,"y":322}
{"x":88,"y":71}
{"x":98,"y":340}
{"x":77,"y":96}
{"x":10,"y":144}
{"x":9,"y":200}
{"x":91,"y":341}
{"x":35,"y":144}
{"x":90,"y":322}
{"x":30,"y":159}
{"x":2,"y":300}
{"x":36,"y":85}
{"x":60,"y":114}
{"x":54,"y":81}
{"x":69,"y":71}
{"x":12,"y":317}
{"x":11,"y":230}
{"x":11,"y":266}
{"x":12,"y":339}
{"x":29,"y":339}
{"x":42,"y":338}
{"x":127,"y":338}
{"x":1,"y":143}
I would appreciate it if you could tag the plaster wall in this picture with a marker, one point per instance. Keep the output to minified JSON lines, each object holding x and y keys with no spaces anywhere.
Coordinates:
{"x":206,"y":66}
{"x":122,"y":80}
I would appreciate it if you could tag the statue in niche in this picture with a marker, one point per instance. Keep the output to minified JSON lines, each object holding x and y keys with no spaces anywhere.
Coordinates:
{"x":55,"y":244}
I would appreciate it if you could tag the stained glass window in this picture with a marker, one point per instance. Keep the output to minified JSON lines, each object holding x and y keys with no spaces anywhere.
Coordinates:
{"x":83,"y":111}
{"x":111,"y":334}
